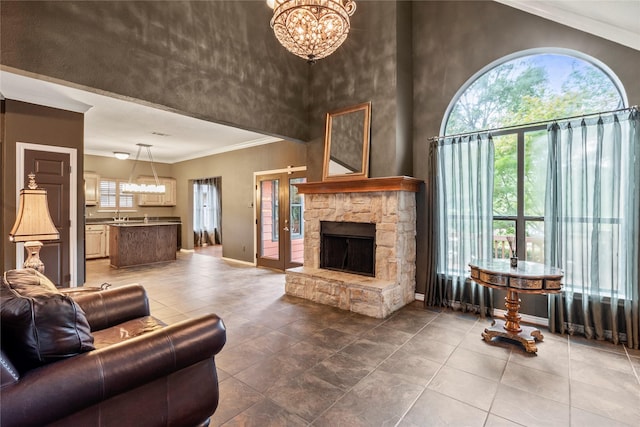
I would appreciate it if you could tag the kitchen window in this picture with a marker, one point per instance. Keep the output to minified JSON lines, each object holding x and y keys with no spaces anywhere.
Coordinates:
{"x":112,"y":197}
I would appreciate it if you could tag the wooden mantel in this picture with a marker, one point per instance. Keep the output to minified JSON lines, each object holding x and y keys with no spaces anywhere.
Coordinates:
{"x":391,"y":183}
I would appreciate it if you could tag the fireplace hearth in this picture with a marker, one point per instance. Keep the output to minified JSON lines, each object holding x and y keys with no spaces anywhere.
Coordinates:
{"x":348,"y":246}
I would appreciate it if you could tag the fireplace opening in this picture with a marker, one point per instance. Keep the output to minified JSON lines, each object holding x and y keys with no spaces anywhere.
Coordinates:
{"x":348,"y":247}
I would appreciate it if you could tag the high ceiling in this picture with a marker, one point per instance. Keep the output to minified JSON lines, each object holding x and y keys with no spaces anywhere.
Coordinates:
{"x":118,"y":125}
{"x":615,"y":20}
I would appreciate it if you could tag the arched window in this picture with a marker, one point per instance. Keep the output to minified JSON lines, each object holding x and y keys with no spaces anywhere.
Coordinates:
{"x":517,"y":90}
{"x":531,"y":86}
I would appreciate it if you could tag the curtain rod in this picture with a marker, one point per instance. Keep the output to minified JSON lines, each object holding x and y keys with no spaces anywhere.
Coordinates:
{"x":542,"y":122}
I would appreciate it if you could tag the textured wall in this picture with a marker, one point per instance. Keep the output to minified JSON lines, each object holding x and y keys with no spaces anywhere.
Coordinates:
{"x":216,"y":60}
{"x":364,"y":68}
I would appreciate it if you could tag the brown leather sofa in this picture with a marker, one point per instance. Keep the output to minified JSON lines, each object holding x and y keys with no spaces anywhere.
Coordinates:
{"x":141,"y":372}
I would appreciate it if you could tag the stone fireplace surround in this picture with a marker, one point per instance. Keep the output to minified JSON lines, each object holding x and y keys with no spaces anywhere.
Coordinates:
{"x":390,"y":203}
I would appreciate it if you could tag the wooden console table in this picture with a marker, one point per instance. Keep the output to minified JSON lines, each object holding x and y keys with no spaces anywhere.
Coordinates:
{"x":528,"y":278}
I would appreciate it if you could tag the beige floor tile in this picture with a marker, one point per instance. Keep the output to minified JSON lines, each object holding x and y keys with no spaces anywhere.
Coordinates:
{"x":435,"y":409}
{"x":541,"y":383}
{"x":529,"y":409}
{"x":465,"y":387}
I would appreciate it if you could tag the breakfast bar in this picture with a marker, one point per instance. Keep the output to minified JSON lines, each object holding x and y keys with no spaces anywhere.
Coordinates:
{"x":142,"y":243}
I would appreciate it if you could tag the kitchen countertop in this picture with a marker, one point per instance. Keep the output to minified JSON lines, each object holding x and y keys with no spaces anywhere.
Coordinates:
{"x":134,"y":220}
{"x":141,"y":224}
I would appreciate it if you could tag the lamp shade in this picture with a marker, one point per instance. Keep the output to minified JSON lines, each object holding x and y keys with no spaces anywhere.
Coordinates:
{"x":33,"y":221}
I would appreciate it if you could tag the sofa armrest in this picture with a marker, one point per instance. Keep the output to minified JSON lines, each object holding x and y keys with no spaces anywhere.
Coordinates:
{"x":59,"y":389}
{"x":104,"y":309}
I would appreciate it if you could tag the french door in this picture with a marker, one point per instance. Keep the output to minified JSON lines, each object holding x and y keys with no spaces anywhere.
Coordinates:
{"x":280,"y":222}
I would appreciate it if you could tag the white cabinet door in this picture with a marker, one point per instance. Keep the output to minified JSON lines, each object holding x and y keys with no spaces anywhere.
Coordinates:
{"x":91,"y":188}
{"x":170,"y":194}
{"x":95,"y":241}
{"x":166,"y":199}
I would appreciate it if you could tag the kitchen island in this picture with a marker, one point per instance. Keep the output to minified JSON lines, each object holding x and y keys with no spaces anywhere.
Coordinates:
{"x":142,"y":243}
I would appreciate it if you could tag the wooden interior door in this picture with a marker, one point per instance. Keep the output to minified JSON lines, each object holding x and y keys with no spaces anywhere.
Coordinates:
{"x":280,"y":222}
{"x":52,"y":173}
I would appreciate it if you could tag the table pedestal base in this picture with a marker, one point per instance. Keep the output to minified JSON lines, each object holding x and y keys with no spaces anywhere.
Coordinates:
{"x":526,"y":336}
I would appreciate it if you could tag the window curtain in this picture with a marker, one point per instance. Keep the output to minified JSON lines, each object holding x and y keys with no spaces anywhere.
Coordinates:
{"x":464,"y":200}
{"x":592,"y":215}
{"x":207,"y":211}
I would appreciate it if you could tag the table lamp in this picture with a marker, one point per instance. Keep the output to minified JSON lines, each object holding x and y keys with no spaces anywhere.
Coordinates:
{"x":33,"y":223}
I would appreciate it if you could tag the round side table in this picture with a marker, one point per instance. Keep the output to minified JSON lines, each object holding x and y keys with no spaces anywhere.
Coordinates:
{"x":527,"y":278}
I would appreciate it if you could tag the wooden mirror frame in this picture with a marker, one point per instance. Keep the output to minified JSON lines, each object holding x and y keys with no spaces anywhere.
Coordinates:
{"x":358,"y":143}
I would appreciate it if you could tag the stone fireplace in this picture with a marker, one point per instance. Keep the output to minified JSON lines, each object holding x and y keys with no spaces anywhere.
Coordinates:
{"x":354,"y":217}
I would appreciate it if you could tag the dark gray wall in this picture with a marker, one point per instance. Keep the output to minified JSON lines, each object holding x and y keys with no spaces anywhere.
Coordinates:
{"x":216,"y":60}
{"x":366,"y":68}
{"x":452,"y":40}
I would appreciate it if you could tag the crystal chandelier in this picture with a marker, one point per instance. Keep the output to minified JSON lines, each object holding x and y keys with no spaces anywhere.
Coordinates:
{"x":311,"y":29}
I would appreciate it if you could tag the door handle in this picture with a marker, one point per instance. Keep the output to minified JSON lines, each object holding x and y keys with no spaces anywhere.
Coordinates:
{"x":286,"y":228}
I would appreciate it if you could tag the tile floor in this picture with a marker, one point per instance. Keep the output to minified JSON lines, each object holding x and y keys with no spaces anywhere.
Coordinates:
{"x":289,"y":362}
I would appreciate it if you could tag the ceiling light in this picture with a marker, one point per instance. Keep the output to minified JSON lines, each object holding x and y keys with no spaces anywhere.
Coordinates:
{"x":132,"y":187}
{"x":311,"y":29}
{"x":121,"y":155}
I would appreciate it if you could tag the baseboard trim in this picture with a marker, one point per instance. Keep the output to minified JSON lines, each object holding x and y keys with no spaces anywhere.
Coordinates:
{"x":239,"y":261}
{"x":527,"y":318}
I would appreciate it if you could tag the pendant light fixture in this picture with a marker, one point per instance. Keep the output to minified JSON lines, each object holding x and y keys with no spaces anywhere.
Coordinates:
{"x":132,"y":187}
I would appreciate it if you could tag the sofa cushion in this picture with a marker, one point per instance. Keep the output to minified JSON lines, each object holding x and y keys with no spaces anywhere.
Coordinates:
{"x":39,"y":325}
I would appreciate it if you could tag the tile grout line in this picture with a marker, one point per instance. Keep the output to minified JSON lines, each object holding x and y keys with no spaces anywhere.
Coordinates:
{"x":498,"y":388}
{"x":426,"y":386}
{"x":378,"y":365}
{"x":633,"y":368}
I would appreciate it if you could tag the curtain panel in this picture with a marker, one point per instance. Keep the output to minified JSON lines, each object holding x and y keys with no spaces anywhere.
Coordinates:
{"x":207,"y":211}
{"x":464,"y":200}
{"x":592,"y":214}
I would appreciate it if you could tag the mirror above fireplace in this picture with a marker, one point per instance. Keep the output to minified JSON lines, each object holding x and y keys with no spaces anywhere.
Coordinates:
{"x":346,"y":143}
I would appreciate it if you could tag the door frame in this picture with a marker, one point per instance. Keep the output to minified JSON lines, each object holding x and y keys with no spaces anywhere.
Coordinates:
{"x":288,"y":169}
{"x":21,"y":147}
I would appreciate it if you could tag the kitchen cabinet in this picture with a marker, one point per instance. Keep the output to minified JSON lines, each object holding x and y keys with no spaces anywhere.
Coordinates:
{"x":96,"y":241}
{"x":166,"y":199}
{"x":91,"y":188}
